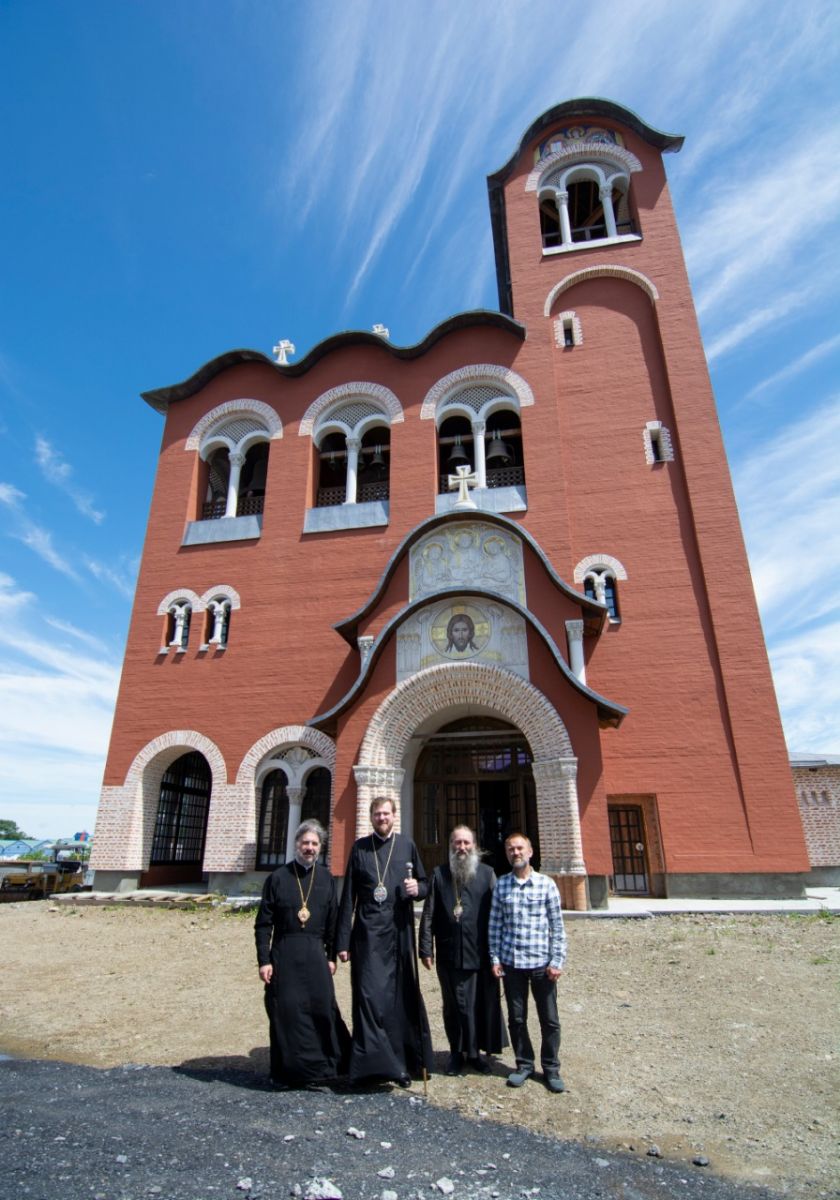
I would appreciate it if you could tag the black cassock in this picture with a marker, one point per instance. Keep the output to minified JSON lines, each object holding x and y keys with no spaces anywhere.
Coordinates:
{"x":390,"y":1029}
{"x":309,"y":1040}
{"x":472,"y":1009}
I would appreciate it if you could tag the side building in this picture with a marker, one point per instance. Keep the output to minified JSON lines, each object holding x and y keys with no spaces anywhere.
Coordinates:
{"x":498,"y":576}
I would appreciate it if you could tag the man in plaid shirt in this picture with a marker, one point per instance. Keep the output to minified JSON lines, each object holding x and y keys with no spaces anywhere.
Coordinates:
{"x":528,"y":950}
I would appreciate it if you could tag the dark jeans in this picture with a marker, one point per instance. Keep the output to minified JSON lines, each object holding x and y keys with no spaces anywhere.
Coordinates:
{"x":544,"y":991}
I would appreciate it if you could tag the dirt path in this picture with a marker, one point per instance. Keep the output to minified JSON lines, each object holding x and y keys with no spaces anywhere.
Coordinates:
{"x":700,"y":1035}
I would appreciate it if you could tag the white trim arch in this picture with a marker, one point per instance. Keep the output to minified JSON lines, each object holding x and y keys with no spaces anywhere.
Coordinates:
{"x":222,"y":589}
{"x":599,"y":560}
{"x":233,"y":408}
{"x":442,"y":693}
{"x":583,"y":152}
{"x":608,"y":271}
{"x":481,"y":373}
{"x":283,"y":739}
{"x":196,"y":603}
{"x":345,"y":393}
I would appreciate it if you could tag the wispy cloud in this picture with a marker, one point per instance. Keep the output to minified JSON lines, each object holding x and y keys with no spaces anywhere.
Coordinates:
{"x":789,"y":496}
{"x":806,"y":360}
{"x":121,"y":578}
{"x":59,"y":473}
{"x":11,"y":496}
{"x":57,"y":704}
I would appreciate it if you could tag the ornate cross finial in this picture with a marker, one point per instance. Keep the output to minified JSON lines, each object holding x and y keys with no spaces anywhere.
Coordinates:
{"x":382,"y":331}
{"x":281,"y":350}
{"x":463,"y":481}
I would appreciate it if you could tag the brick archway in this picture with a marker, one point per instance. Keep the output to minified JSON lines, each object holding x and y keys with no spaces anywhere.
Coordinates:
{"x":453,"y":689}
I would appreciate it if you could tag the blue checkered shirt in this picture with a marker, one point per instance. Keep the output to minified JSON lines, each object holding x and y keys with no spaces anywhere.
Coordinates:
{"x":526,"y":923}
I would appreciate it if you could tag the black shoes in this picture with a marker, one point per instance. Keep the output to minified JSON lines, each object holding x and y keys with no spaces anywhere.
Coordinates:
{"x":480,"y":1065}
{"x":555,"y":1083}
{"x":454,"y":1064}
{"x":519,"y":1076}
{"x":403,"y":1081}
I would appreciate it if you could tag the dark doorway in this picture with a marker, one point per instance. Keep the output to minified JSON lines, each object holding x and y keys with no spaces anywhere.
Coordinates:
{"x":180,"y":823}
{"x":629,"y":852}
{"x":474,"y":772}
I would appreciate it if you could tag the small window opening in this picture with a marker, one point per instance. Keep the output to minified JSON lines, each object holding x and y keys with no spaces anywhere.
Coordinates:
{"x":550,"y":223}
{"x":374,"y":465}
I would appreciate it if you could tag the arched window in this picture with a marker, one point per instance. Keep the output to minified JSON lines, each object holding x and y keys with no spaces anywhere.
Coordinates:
{"x":178,"y":624}
{"x":273,"y":827}
{"x":217,"y":624}
{"x":479,"y":426}
{"x":181,"y":819}
{"x":600,"y":585}
{"x":316,"y":801}
{"x":353,"y":446}
{"x":583,"y":188}
{"x":235,"y":449}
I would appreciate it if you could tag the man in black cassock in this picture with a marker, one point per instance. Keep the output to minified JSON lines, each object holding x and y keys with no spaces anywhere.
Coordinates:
{"x":391,"y":1038}
{"x":295,"y":934}
{"x":456,"y":916}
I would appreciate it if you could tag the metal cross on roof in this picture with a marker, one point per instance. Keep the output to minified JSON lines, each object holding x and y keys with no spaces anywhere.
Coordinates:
{"x":281,"y":350}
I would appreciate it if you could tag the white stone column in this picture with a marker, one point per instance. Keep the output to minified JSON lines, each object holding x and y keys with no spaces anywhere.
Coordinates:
{"x":295,"y":798}
{"x":561,"y":845}
{"x":236,"y":461}
{"x":480,"y":464}
{"x":574,"y":636}
{"x":565,"y":224}
{"x":179,"y":613}
{"x":353,"y":447}
{"x":605,"y":194}
{"x":219,"y":609}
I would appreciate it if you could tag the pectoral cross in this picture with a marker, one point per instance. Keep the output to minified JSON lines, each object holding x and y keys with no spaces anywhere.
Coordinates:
{"x":463,"y":481}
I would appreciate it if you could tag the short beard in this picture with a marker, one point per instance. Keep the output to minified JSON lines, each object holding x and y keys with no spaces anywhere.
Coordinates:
{"x":463,"y":869}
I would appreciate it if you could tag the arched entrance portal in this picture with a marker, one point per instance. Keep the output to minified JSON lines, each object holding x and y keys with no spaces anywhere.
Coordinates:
{"x":425,"y":702}
{"x":180,"y":823}
{"x":476,"y":772}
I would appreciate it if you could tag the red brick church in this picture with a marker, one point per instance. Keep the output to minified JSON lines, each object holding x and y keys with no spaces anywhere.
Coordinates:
{"x":497,"y":576}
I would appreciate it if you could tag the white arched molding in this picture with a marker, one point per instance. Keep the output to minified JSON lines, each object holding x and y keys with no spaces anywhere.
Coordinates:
{"x":582,"y":152}
{"x":656,"y":432}
{"x":488,"y":373}
{"x":317,"y":750}
{"x":609,"y":271}
{"x":282,"y":739}
{"x":568,"y":320}
{"x":478,"y":688}
{"x":345,"y":393}
{"x":599,"y":560}
{"x":223,"y":589}
{"x":234,"y":408}
{"x":196,"y":603}
{"x":125,"y":822}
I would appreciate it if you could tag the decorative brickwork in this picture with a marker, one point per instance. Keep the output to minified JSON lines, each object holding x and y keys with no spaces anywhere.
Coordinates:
{"x":581,"y":152}
{"x":274,"y":426}
{"x":126,"y":820}
{"x":599,"y":560}
{"x":568,"y":320}
{"x":347,"y":392}
{"x":818,"y":793}
{"x":196,"y":603}
{"x":585,"y":273}
{"x":480,"y":373}
{"x":475,"y":687}
{"x":655,"y":431}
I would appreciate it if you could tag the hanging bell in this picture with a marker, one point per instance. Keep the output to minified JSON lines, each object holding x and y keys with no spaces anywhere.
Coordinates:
{"x":378,"y":459}
{"x":458,"y":456}
{"x":498,"y":452}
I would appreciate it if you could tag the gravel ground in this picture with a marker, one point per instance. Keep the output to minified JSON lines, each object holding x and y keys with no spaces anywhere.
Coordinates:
{"x":703,"y":1036}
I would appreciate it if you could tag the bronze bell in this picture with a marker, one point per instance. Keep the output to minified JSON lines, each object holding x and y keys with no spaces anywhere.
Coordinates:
{"x":498,"y":451}
{"x":378,"y":459}
{"x":458,"y":457}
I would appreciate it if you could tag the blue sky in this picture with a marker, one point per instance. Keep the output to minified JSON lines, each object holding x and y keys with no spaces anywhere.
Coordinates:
{"x":180,"y":179}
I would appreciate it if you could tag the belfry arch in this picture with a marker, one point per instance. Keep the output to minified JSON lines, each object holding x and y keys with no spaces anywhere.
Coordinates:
{"x":440,"y":694}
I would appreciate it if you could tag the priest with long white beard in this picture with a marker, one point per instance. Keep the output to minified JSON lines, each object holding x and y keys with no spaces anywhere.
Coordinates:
{"x":455,"y":917}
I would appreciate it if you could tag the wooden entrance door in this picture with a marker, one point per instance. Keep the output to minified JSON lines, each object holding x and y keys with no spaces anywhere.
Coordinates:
{"x":629,"y":850}
{"x":478,"y":773}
